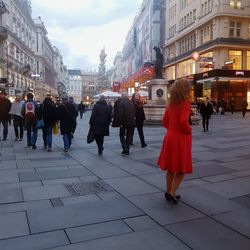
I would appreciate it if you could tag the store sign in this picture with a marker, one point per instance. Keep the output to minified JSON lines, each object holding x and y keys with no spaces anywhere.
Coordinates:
{"x":206,"y":59}
{"x":239,"y":73}
{"x":196,"y":56}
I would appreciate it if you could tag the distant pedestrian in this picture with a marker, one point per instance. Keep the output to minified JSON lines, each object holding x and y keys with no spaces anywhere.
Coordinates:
{"x":47,"y":112}
{"x":81,"y":108}
{"x":139,"y":118}
{"x":175,"y":155}
{"x":206,"y":110}
{"x":232,"y":105}
{"x":99,"y":121}
{"x":222,"y":106}
{"x":125,"y":118}
{"x":29,"y":112}
{"x":67,"y":114}
{"x":5,"y":106}
{"x":18,"y":120}
{"x":116,"y":119}
{"x":71,"y":101}
{"x":244,"y":105}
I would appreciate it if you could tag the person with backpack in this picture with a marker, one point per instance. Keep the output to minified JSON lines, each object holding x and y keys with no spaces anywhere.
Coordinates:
{"x":81,"y":108}
{"x":29,"y":112}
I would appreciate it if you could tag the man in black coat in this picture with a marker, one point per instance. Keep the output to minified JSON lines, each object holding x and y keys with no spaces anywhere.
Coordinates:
{"x":5,"y":106}
{"x":126,"y":118}
{"x":99,"y":121}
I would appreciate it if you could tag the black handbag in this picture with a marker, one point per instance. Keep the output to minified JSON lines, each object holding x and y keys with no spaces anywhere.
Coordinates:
{"x":90,"y":136}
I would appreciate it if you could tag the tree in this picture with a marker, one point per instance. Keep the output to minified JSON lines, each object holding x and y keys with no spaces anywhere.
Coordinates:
{"x":103,"y":79}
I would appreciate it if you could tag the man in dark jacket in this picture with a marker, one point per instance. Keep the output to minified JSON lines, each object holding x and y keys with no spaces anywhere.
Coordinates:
{"x":5,"y":106}
{"x":126,"y":118}
{"x":81,"y":108}
{"x":99,"y":121}
{"x":67,"y":114}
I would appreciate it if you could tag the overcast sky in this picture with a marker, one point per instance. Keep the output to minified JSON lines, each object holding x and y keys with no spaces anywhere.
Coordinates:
{"x":82,"y":28}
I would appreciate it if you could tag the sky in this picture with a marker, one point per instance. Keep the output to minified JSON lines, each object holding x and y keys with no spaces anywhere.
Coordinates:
{"x":80,"y":29}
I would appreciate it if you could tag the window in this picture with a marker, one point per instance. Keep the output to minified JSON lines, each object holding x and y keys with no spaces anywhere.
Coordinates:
{"x":231,"y":29}
{"x":194,"y":15}
{"x":238,"y":29}
{"x":238,"y":4}
{"x":236,"y":57}
{"x":235,"y":4}
{"x":248,"y":60}
{"x":206,"y":8}
{"x":232,"y":4}
{"x":202,"y":9}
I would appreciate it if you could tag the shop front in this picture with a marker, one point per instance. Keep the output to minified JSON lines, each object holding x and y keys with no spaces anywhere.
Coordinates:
{"x":224,"y":84}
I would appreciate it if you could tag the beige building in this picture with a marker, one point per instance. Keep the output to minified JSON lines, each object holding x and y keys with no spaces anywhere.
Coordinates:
{"x":219,"y":30}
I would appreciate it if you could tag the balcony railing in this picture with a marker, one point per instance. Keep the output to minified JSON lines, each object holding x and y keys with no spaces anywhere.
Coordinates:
{"x":3,"y":33}
{"x":3,"y":8}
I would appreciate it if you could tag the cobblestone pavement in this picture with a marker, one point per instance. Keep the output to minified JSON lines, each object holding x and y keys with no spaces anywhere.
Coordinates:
{"x":79,"y":200}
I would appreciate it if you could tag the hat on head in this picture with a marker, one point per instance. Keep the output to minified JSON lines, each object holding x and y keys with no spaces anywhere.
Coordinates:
{"x":3,"y":92}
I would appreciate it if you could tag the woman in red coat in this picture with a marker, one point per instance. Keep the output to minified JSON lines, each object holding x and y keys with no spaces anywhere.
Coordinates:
{"x":176,"y":155}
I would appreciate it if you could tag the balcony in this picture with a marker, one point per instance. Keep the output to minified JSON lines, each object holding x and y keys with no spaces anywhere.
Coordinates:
{"x":2,"y":7}
{"x":3,"y":33}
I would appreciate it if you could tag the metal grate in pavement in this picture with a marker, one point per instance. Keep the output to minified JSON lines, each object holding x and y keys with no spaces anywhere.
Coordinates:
{"x":84,"y":188}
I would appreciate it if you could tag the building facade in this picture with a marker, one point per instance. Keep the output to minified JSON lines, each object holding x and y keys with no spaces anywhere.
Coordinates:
{"x":208,"y":41}
{"x":75,"y":84}
{"x":147,"y":31}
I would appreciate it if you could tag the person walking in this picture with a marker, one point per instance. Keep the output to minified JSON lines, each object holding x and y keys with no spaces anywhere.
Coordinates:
{"x":99,"y":122}
{"x":71,"y":101}
{"x":175,"y":156}
{"x":29,"y":112}
{"x":66,"y":114}
{"x":81,"y":108}
{"x":206,"y":110}
{"x":139,"y":118}
{"x":18,"y":120}
{"x":232,"y":105}
{"x":5,"y":106}
{"x":47,"y":112}
{"x":126,"y":120}
{"x":244,"y":105}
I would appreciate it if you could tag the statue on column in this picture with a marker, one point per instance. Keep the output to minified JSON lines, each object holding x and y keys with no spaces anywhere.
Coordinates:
{"x":158,"y":63}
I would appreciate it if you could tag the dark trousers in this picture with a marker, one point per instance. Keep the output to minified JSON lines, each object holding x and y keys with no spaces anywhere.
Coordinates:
{"x":244,"y":112}
{"x":81,"y":113}
{"x":205,"y":123}
{"x":5,"y":129}
{"x":47,"y":136}
{"x":141,"y":134}
{"x":126,"y":138}
{"x":31,"y":133}
{"x":18,"y":123}
{"x":99,"y":141}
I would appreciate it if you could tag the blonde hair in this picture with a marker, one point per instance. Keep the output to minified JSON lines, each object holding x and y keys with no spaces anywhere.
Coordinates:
{"x":179,"y":91}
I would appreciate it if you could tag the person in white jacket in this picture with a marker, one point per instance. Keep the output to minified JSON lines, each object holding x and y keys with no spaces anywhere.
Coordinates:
{"x":18,"y":120}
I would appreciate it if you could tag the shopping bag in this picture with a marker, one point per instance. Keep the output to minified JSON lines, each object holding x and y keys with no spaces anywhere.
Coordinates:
{"x":90,"y":136}
{"x":55,"y":129}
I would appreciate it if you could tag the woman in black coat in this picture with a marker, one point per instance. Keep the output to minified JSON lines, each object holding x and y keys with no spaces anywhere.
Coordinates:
{"x":139,"y":118}
{"x":47,"y":112}
{"x":206,"y":110}
{"x":99,"y":121}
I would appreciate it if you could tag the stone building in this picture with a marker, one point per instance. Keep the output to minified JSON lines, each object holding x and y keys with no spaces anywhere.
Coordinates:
{"x":208,"y":41}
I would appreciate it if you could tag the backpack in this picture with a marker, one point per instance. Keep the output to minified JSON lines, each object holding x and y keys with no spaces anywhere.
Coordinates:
{"x":30,"y":111}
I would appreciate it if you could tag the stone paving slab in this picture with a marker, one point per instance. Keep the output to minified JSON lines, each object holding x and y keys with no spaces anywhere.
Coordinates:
{"x":164,"y":212}
{"x":237,"y":165}
{"x":13,"y":225}
{"x":207,"y":234}
{"x":141,"y":223}
{"x":237,"y":220}
{"x":61,"y":181}
{"x":8,"y":165}
{"x":80,"y":199}
{"x":23,"y":206}
{"x":243,"y":200}
{"x":44,"y":192}
{"x":219,"y":177}
{"x":20,"y":184}
{"x":149,"y":240}
{"x":207,"y":202}
{"x":129,"y":186}
{"x":231,"y":188}
{"x":7,"y":176}
{"x":11,"y":195}
{"x":35,"y":242}
{"x":53,"y":174}
{"x":95,"y":231}
{"x":80,"y":215}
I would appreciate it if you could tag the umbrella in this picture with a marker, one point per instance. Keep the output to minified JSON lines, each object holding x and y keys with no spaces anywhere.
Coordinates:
{"x":143,"y":93}
{"x":108,"y":94}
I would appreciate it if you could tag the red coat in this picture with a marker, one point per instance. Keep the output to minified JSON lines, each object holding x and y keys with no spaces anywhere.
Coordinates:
{"x":176,"y":151}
